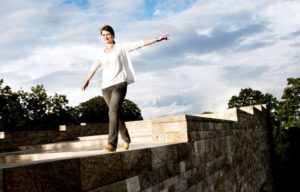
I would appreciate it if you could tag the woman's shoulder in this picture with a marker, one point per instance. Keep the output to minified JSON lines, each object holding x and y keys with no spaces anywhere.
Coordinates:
{"x":121,"y":44}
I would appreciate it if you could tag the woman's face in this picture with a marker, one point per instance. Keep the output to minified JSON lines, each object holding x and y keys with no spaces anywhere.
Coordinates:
{"x":107,"y":37}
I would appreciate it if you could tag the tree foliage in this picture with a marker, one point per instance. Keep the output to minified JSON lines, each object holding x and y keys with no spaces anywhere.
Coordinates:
{"x":285,"y":124}
{"x":36,"y":110}
{"x":33,"y":110}
{"x":288,"y":113}
{"x":249,"y":96}
{"x":130,"y":111}
{"x":93,"y":110}
{"x":12,"y":114}
{"x":289,"y":107}
{"x":96,"y":110}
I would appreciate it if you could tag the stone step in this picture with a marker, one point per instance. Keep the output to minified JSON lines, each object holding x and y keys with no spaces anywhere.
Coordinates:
{"x":19,"y":159}
{"x":88,"y":143}
{"x":84,"y":143}
{"x":139,"y":126}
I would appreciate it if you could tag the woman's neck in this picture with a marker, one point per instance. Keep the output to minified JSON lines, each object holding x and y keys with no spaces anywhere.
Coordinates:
{"x":110,"y":45}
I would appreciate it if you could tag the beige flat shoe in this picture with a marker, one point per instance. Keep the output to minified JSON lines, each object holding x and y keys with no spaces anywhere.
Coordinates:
{"x":125,"y":146}
{"x":109,"y":148}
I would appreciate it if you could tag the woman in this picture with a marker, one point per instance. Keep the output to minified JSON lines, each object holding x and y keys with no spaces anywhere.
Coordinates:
{"x":117,"y":73}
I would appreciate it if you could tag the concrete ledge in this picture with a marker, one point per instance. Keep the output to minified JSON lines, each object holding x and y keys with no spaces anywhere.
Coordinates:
{"x":13,"y":140}
{"x":229,"y":114}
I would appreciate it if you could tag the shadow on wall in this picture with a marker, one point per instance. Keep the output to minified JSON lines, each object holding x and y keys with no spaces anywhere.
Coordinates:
{"x":287,"y":181}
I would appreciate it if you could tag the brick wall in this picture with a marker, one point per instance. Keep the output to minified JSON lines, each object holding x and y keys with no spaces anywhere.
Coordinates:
{"x":192,"y":154}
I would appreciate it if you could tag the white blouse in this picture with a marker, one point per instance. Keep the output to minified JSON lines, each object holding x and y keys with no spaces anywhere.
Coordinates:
{"x":116,"y":65}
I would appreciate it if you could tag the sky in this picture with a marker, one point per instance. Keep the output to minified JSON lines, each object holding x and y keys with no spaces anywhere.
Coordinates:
{"x":216,"y":48}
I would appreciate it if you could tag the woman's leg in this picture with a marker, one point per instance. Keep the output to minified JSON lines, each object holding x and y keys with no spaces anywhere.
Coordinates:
{"x":124,"y":132}
{"x":114,"y":97}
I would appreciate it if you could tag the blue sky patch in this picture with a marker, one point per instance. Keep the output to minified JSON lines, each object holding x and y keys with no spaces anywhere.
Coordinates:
{"x":82,"y":4}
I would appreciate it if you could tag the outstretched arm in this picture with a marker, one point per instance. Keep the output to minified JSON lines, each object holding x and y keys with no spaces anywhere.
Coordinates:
{"x":88,"y":78}
{"x":136,"y":45}
{"x":155,"y":40}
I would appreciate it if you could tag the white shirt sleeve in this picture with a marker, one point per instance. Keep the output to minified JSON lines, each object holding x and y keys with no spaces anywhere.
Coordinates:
{"x":134,"y":45}
{"x":97,"y":63}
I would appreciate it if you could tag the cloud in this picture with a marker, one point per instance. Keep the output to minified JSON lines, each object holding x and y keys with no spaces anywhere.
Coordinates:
{"x":216,"y":48}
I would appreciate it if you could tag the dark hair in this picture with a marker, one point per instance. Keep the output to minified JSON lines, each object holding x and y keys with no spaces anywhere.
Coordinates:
{"x":109,"y":29}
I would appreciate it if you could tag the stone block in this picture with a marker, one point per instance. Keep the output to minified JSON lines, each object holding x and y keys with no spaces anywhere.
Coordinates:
{"x":54,"y":176}
{"x":198,"y":126}
{"x":97,"y":171}
{"x":170,"y":119}
{"x":169,"y":131}
{"x":158,"y":129}
{"x":182,"y":185}
{"x":211,"y":126}
{"x":163,"y":155}
{"x":156,"y":188}
{"x":175,"y":127}
{"x":190,"y":164}
{"x":176,"y":137}
{"x":170,"y":170}
{"x":193,"y":162}
{"x":189,"y":177}
{"x":193,"y":135}
{"x":169,"y":182}
{"x":2,"y":135}
{"x":205,"y":126}
{"x":158,"y":135}
{"x":228,"y":114}
{"x":199,"y":147}
{"x":133,"y":184}
{"x":204,"y":135}
{"x":219,"y":126}
{"x":207,"y":144}
{"x":158,"y":139}
{"x":118,"y":186}
{"x":185,"y":151}
{"x":62,"y":127}
{"x":149,"y":179}
{"x":136,"y":162}
{"x":182,"y":166}
{"x":192,"y":126}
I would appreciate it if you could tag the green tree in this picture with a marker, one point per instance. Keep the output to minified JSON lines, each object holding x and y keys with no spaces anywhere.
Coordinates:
{"x":58,"y":111}
{"x":130,"y":111}
{"x":33,"y":110}
{"x":36,"y":104}
{"x":288,"y":113}
{"x":287,"y":136}
{"x":96,"y":110}
{"x":289,"y":107}
{"x":285,"y":124}
{"x":44,"y":112}
{"x":93,"y":110}
{"x":249,"y":96}
{"x":12,"y":115}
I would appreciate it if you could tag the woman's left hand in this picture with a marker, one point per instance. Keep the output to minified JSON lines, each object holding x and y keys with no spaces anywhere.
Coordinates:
{"x":163,"y":37}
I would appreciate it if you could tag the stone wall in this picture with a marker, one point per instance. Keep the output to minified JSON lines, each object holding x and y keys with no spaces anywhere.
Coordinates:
{"x":13,"y":141}
{"x":192,"y":154}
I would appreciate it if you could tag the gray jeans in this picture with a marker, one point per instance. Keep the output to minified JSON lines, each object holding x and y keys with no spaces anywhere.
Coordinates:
{"x":114,"y":97}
